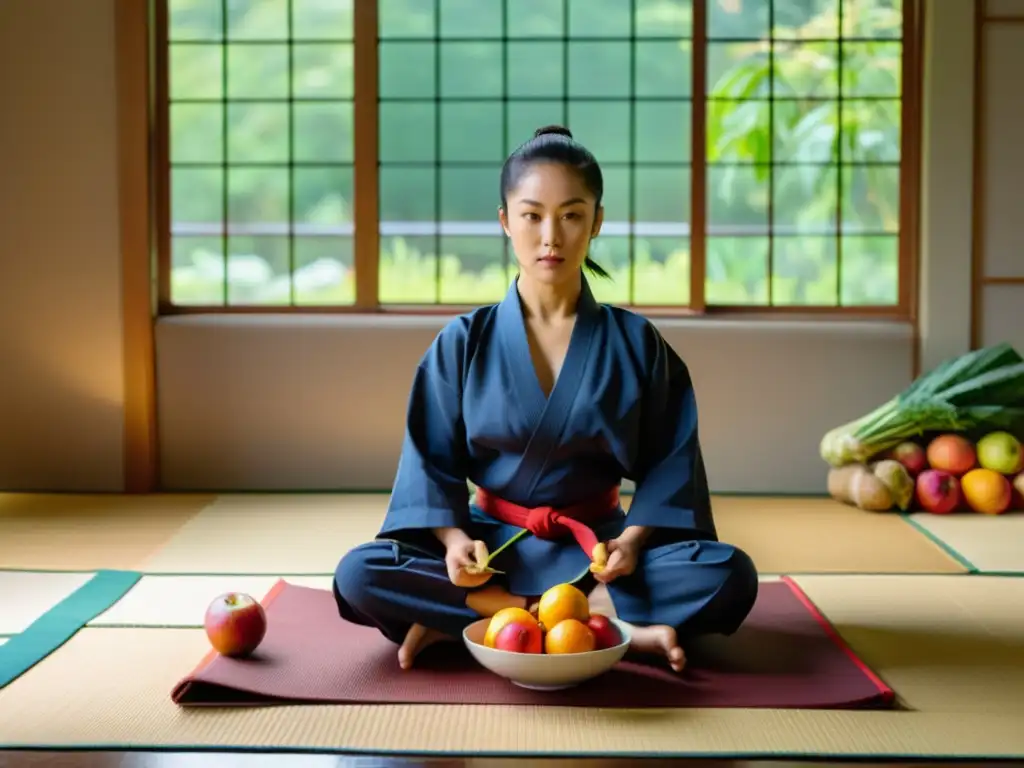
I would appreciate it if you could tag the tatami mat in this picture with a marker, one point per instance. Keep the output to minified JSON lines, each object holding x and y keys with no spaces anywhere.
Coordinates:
{"x":271,"y":534}
{"x":992,"y":543}
{"x":943,"y":643}
{"x":111,"y":687}
{"x":814,"y":535}
{"x":181,"y":601}
{"x":951,"y":645}
{"x":308,"y":534}
{"x":73,"y":532}
{"x":25,"y":597}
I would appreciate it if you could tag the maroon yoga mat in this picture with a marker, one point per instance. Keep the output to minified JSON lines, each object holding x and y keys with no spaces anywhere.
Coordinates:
{"x":786,"y":655}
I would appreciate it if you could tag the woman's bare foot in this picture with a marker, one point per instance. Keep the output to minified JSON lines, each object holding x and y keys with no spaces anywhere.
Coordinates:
{"x":416,"y":639}
{"x":661,"y":641}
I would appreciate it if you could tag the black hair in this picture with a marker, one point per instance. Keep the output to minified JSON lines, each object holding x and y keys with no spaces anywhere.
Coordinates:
{"x":555,"y":144}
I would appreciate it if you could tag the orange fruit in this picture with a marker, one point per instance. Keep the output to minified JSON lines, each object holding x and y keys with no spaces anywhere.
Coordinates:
{"x":561,"y":602}
{"x":502,"y":618}
{"x":570,"y":636}
{"x":986,"y":491}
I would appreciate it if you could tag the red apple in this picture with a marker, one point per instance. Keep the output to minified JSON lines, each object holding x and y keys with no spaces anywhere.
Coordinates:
{"x":520,"y":637}
{"x":912,"y":456}
{"x":235,"y":623}
{"x":952,"y":453}
{"x":606,"y":633}
{"x":1018,"y":492}
{"x":938,"y":491}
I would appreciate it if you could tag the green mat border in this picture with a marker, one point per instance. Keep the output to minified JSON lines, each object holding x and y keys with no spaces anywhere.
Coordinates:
{"x":946,"y":547}
{"x":60,"y":623}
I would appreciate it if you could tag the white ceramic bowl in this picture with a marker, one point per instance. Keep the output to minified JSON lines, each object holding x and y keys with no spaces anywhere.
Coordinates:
{"x":541,"y":671}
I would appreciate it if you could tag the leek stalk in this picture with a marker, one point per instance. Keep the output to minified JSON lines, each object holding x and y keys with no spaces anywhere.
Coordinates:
{"x":981,"y":390}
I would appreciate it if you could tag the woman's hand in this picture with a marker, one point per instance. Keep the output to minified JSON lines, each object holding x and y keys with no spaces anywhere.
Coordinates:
{"x":622,"y":556}
{"x":623,"y":553}
{"x":466,"y":562}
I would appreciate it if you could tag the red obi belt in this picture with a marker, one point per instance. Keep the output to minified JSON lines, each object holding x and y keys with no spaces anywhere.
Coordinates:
{"x":551,"y":523}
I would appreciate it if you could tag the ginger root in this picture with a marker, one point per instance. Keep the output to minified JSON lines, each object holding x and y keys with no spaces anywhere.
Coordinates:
{"x":897,"y":479}
{"x":599,"y":557}
{"x":857,"y":485}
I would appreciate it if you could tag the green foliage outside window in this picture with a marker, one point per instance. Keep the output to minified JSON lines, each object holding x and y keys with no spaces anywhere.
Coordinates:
{"x":803,"y":146}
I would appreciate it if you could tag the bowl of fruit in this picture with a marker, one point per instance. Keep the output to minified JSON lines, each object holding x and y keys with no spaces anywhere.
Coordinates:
{"x":560,"y":646}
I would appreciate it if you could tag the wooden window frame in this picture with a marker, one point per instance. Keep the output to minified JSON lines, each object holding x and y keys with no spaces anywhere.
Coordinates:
{"x":366,"y":237}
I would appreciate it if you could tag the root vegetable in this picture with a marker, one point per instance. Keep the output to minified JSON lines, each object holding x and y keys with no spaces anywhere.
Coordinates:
{"x":897,"y":479}
{"x":480,"y":553}
{"x":855,"y":484}
{"x":478,"y":572}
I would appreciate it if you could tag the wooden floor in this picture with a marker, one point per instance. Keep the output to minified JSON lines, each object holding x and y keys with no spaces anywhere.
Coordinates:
{"x":250,"y":760}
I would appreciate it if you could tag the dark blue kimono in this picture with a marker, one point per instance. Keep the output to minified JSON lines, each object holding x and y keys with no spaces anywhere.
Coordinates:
{"x":623,"y":406}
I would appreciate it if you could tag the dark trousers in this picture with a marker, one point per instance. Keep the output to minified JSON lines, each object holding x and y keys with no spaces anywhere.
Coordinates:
{"x":697,"y":587}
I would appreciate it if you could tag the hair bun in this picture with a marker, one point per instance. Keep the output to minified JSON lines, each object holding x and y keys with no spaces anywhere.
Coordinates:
{"x":559,"y":130}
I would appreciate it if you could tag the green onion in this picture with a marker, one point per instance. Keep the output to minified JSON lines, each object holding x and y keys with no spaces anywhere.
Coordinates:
{"x":981,"y":390}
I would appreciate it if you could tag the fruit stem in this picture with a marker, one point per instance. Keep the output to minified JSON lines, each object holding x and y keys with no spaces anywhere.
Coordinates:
{"x":512,"y":540}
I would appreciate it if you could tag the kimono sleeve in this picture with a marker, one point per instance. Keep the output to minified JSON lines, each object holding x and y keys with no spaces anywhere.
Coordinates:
{"x":430,"y":488}
{"x":671,"y":481}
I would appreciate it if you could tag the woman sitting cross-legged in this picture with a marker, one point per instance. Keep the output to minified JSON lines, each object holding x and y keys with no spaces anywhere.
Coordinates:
{"x":546,"y":401}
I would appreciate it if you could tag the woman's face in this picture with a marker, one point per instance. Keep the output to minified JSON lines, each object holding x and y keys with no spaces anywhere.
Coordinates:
{"x":550,"y":221}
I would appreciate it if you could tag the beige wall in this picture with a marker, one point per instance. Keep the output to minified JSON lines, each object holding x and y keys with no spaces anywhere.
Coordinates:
{"x":1000,"y":314}
{"x":318,"y":402}
{"x":60,"y":315}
